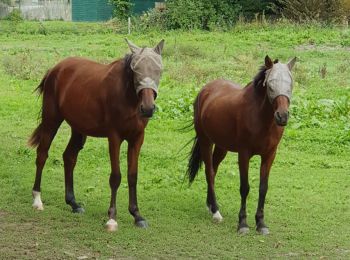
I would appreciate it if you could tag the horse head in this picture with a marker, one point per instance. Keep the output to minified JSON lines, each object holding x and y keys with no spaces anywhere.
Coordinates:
{"x":147,"y":67}
{"x":279,"y":85}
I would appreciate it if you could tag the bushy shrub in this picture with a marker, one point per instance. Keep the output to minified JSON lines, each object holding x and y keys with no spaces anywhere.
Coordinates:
{"x":223,"y":14}
{"x":14,"y":16}
{"x":250,"y":8}
{"x":201,"y":14}
{"x":153,"y":19}
{"x":345,"y":5}
{"x":313,"y":10}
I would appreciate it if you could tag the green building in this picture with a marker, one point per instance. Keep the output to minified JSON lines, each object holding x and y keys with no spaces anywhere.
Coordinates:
{"x":101,"y":10}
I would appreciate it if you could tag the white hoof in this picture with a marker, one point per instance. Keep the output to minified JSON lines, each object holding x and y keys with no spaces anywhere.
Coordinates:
{"x":111,"y":225}
{"x":37,"y":203}
{"x":217,"y":217}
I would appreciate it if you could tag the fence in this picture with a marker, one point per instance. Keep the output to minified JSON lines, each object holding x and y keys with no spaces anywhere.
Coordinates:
{"x":39,"y":9}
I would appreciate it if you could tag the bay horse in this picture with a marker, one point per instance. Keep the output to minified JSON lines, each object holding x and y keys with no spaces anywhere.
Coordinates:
{"x":113,"y":101}
{"x":249,"y":121}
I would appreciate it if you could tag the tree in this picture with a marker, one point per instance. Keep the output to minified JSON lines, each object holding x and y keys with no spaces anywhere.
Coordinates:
{"x":122,"y":8}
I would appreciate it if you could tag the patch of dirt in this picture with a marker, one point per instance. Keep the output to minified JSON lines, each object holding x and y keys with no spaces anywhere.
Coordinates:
{"x":2,"y":213}
{"x":24,"y":238}
{"x":14,"y":242}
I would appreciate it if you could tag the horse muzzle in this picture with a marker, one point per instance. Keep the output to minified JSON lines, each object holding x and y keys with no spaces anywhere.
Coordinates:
{"x":147,"y":105}
{"x":147,"y":112}
{"x":281,"y":118}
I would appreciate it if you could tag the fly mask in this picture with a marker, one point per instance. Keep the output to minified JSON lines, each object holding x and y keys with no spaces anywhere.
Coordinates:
{"x":146,"y":63}
{"x":279,"y":81}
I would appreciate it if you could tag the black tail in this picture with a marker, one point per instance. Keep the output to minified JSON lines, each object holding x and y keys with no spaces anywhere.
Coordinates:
{"x":34,"y":139}
{"x":40,"y":88}
{"x":195,"y":161}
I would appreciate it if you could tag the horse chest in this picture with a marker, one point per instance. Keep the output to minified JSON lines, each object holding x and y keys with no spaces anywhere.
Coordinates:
{"x":129,"y":128}
{"x":266,"y":140}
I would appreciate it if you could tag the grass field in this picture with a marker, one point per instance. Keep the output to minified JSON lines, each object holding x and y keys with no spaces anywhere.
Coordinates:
{"x":308,"y":202}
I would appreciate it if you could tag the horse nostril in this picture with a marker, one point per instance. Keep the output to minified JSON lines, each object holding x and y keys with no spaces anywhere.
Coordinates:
{"x":278,"y":115}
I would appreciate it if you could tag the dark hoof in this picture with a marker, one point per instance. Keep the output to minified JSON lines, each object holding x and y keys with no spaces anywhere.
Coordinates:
{"x":78,"y":210}
{"x":141,"y":224}
{"x":263,"y":231}
{"x":243,"y":230}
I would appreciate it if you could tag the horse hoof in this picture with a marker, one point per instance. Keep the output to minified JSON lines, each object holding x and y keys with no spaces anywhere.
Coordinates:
{"x":37,"y":203}
{"x":78,"y":210}
{"x":263,"y":231}
{"x":243,"y":230}
{"x":141,"y":224}
{"x":38,"y":206}
{"x":217,"y":217}
{"x":111,"y":225}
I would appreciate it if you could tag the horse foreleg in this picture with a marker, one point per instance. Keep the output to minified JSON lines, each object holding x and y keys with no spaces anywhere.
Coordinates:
{"x":243,"y":161}
{"x":266,"y":163}
{"x":133,"y":155}
{"x":70,"y":155}
{"x":114,"y":180}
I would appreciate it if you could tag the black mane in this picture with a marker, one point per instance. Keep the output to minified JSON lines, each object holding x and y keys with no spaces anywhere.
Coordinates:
{"x":128,"y":71}
{"x":260,"y":77}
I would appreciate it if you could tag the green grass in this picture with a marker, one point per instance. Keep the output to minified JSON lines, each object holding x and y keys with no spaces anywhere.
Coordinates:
{"x":307,"y":206}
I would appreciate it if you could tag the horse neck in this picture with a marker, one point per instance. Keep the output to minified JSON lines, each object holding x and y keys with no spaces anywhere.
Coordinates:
{"x":125,"y":86}
{"x":264,"y":110}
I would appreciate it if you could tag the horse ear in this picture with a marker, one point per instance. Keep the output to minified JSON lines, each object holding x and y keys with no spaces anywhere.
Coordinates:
{"x":275,"y":61}
{"x":132,"y":46}
{"x":158,"y":49}
{"x":291,"y":63}
{"x":268,"y":62}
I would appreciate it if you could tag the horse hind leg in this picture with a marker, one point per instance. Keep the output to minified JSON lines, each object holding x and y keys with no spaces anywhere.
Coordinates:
{"x":218,"y":155}
{"x":42,"y":138}
{"x":207,"y":156}
{"x":70,"y":155}
{"x":44,"y":134}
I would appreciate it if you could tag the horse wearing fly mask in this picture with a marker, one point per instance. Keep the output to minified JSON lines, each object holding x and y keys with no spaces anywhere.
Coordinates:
{"x":249,"y":121}
{"x":113,"y":101}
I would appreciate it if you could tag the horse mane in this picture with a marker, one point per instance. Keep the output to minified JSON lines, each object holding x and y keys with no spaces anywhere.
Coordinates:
{"x":260,"y":77}
{"x":128,"y":71}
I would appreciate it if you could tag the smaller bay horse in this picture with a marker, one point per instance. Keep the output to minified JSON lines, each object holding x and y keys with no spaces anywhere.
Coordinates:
{"x":249,"y":121}
{"x":113,"y":101}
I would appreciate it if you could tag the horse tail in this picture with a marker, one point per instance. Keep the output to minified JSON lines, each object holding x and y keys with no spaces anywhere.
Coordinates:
{"x":35,"y":138}
{"x":195,"y":161}
{"x":40,"y":88}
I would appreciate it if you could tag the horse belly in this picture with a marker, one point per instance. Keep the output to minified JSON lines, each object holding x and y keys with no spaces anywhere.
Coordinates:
{"x":84,"y":115}
{"x":86,"y":126}
{"x":220,"y":129}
